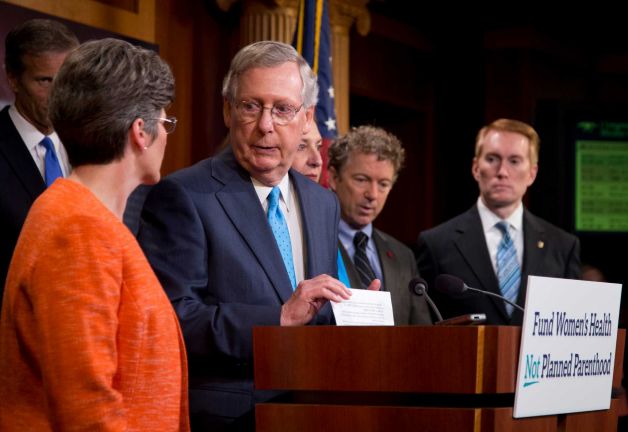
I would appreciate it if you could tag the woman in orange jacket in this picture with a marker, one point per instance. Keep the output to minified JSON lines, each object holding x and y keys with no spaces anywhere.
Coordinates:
{"x":88,"y":338}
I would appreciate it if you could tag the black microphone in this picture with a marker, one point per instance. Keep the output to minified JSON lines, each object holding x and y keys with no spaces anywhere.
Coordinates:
{"x":418,"y":287}
{"x":449,"y":284}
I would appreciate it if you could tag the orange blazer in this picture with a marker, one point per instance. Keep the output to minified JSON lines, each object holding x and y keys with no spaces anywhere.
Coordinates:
{"x":88,"y":338}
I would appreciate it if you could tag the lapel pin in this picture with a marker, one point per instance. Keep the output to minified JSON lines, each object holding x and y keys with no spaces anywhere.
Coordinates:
{"x":540,"y":244}
{"x":389,"y":254}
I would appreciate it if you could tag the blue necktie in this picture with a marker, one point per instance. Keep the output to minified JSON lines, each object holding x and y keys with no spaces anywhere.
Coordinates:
{"x":282,"y":236}
{"x":52,"y":167}
{"x":508,"y":271}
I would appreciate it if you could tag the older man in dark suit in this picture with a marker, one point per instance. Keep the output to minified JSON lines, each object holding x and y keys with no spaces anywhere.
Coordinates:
{"x":241,"y":240}
{"x":363,"y":167}
{"x":497,"y":243}
{"x":34,"y":51}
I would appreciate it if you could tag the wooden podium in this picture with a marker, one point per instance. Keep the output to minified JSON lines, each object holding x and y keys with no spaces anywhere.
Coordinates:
{"x":401,"y":379}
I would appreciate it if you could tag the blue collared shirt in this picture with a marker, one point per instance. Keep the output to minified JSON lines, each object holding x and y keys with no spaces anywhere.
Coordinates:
{"x":346,"y":234}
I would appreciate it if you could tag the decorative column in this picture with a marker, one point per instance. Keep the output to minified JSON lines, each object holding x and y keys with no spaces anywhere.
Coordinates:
{"x":342,"y":14}
{"x":265,"y":19}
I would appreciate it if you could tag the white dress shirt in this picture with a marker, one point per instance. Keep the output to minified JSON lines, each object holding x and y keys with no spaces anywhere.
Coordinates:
{"x":32,"y":137}
{"x":494,"y":236}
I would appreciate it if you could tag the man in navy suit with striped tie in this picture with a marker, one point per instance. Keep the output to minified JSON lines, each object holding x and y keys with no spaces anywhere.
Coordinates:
{"x":31,"y":155}
{"x":497,"y":243}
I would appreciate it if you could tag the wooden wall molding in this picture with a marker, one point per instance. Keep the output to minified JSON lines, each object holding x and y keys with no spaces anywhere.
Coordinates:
{"x":138,"y":24}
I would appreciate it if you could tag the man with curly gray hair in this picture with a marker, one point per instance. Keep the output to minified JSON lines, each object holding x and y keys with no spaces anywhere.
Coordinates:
{"x":363,"y":167}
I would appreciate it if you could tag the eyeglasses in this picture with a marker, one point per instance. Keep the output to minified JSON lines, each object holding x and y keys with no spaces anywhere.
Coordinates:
{"x":170,"y":123}
{"x":281,"y":113}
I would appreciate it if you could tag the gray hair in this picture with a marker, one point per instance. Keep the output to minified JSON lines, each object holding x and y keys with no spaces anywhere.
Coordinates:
{"x":100,"y":90}
{"x":267,"y":54}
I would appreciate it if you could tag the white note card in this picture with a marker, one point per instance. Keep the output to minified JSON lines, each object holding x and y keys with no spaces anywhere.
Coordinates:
{"x":364,"y":308}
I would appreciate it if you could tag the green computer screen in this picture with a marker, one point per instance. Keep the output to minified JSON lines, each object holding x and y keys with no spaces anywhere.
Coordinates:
{"x":601,"y":176}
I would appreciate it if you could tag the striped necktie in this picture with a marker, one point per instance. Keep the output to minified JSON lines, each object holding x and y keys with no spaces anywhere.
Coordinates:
{"x":52,"y":169}
{"x":508,"y":270}
{"x":361,"y":259}
{"x":282,"y":236}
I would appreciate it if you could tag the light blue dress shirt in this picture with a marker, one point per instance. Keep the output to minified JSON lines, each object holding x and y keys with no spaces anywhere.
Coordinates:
{"x":346,"y":234}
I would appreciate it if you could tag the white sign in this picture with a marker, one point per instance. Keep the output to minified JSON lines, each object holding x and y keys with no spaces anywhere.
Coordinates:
{"x":364,"y":308}
{"x":568,"y":342}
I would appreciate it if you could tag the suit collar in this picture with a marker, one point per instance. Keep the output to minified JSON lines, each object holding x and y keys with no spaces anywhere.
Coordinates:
{"x":388,"y":260}
{"x":262,"y":191}
{"x":349,"y":232}
{"x":352,"y":273}
{"x":225,"y":168}
{"x":489,"y":219}
{"x":477,"y":256}
{"x":310,"y":217}
{"x":471,"y":244}
{"x":535,"y":245}
{"x":240,"y":203}
{"x":346,"y":233}
{"x":30,"y":135}
{"x":18,"y":156}
{"x":533,"y":256}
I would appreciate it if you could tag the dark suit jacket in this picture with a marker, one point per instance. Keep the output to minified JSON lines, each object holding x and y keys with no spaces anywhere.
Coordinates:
{"x":398,"y":268}
{"x":20,"y":184}
{"x":206,"y":235}
{"x":458,"y":247}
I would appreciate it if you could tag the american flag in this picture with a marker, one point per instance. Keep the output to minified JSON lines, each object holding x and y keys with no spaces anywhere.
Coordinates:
{"x":312,"y":40}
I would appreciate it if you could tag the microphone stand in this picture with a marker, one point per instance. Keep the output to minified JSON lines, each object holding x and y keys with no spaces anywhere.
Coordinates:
{"x":433,"y":306}
{"x":515,"y":305}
